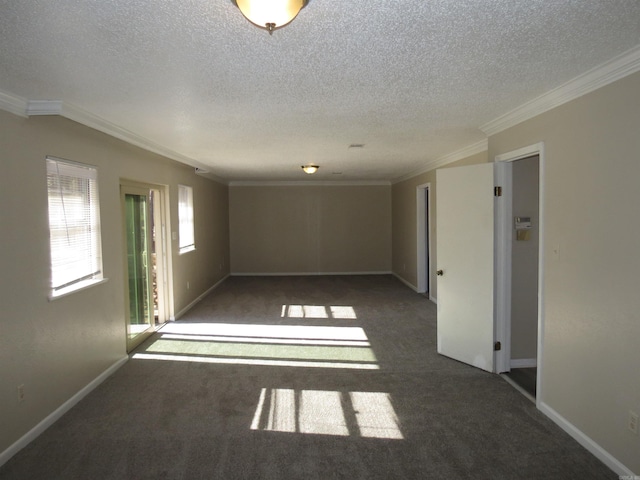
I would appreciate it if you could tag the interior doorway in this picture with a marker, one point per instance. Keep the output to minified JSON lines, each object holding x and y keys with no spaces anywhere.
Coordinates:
{"x":519,"y":266}
{"x":423,"y":268}
{"x":146,"y":260}
{"x":524,"y":273}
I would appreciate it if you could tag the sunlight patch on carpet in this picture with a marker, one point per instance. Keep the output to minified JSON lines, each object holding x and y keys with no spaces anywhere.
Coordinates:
{"x":318,"y":311}
{"x":272,"y":345}
{"x":322,"y":412}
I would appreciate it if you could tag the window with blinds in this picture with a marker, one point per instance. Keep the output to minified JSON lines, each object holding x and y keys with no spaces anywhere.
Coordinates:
{"x":186,"y":240}
{"x":74,"y":225}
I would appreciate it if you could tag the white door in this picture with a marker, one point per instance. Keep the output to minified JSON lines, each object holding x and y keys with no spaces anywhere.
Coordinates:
{"x":465,"y":250}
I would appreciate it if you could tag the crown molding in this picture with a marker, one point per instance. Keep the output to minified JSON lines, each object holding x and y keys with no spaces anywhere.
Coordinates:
{"x":202,"y":172}
{"x":87,"y":119}
{"x":311,"y":183}
{"x":30,"y":108}
{"x":473,"y":149}
{"x":98,"y":123}
{"x":13,"y":104}
{"x":604,"y":74}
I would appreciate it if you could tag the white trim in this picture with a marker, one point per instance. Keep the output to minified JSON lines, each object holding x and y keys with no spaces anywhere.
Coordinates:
{"x":90,"y":120}
{"x":59,"y":412}
{"x":311,"y":183}
{"x":413,"y":287}
{"x":423,"y":236}
{"x":584,"y":440}
{"x":503,"y":211}
{"x":303,"y":274}
{"x":604,"y":74}
{"x":26,"y":108}
{"x":76,"y":287}
{"x":515,"y":385}
{"x":524,"y":152}
{"x":13,"y":104}
{"x":410,"y":285}
{"x":523,"y":362}
{"x":473,"y":149}
{"x":520,"y":153}
{"x":198,"y":299}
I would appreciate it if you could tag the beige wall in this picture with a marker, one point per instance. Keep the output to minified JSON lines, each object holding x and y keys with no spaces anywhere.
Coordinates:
{"x":310,"y":229}
{"x":405,"y":233}
{"x":56,"y":348}
{"x":524,"y":262}
{"x":591,"y":361}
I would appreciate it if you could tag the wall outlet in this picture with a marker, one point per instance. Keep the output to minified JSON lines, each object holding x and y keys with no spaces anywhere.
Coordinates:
{"x":188,"y":286}
{"x":20,"y":393}
{"x":633,"y":422}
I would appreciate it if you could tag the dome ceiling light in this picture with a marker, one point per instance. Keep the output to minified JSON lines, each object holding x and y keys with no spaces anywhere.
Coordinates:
{"x":270,"y":14}
{"x":310,"y":169}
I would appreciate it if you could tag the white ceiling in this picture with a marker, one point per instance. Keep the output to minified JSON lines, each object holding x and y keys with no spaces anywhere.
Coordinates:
{"x":412,"y":80}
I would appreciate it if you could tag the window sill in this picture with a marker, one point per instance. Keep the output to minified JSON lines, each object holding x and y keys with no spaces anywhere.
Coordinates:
{"x":186,"y":250}
{"x":76,"y":288}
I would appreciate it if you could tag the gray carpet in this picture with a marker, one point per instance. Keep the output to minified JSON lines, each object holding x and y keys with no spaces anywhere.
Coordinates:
{"x":212,"y":398}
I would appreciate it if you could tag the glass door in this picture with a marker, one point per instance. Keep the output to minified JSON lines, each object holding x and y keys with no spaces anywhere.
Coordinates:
{"x":140,"y":307}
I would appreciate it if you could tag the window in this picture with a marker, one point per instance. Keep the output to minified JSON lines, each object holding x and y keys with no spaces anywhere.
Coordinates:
{"x":185,"y":219}
{"x":74,"y":226}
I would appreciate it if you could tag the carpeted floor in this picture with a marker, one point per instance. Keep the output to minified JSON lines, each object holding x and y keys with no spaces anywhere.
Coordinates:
{"x":303,"y":378}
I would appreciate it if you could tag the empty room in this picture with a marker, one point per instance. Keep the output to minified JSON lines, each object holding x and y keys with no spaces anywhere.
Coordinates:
{"x":317,"y":239}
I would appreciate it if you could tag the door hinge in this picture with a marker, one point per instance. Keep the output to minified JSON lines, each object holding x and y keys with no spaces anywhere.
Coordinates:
{"x":497,"y":346}
{"x":497,"y":191}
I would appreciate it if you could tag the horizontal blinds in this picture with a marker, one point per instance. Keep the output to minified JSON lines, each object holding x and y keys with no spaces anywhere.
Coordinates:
{"x":185,"y":217}
{"x":74,"y":223}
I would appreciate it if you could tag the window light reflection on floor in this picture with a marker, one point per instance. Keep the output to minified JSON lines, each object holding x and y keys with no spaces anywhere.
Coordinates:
{"x":318,"y":311}
{"x":267,"y":331}
{"x":321,"y":412}
{"x":271,"y":345}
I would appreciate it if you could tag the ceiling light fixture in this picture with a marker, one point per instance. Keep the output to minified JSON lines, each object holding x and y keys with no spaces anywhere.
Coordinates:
{"x":270,"y":14}
{"x":310,"y":169}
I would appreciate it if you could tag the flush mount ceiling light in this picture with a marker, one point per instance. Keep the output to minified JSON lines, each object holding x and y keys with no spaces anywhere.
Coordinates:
{"x":270,"y":14}
{"x":310,"y":169}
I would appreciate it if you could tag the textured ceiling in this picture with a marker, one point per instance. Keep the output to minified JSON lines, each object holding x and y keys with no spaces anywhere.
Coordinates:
{"x":412,"y":80}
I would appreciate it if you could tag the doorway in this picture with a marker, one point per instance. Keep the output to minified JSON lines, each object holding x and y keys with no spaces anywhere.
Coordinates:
{"x":146,"y":304}
{"x":474,"y":244}
{"x":423,"y":209}
{"x":519,"y":265}
{"x":524,"y":273}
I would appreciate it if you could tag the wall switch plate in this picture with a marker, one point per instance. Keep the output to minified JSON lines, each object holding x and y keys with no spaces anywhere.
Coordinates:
{"x":20,"y":393}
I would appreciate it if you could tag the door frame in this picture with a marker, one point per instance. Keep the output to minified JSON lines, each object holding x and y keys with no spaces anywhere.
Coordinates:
{"x":423,"y":192}
{"x":163,"y":261}
{"x":504,"y":233}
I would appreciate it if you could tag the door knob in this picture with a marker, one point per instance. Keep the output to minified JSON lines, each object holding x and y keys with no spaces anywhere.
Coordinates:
{"x":440,"y":273}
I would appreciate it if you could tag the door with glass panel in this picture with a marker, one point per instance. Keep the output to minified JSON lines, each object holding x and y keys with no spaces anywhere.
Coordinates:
{"x":144,"y":262}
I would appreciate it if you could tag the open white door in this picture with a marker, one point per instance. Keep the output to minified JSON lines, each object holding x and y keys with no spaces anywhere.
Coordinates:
{"x":465,"y":256}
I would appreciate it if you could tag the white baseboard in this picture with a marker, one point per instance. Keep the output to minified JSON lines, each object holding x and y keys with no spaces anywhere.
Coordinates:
{"x":599,"y":452}
{"x":198,"y":299}
{"x":523,"y":362}
{"x":302,"y":274}
{"x":59,"y":412}
{"x":413,"y":287}
{"x":408,"y":284}
{"x":508,"y":379}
